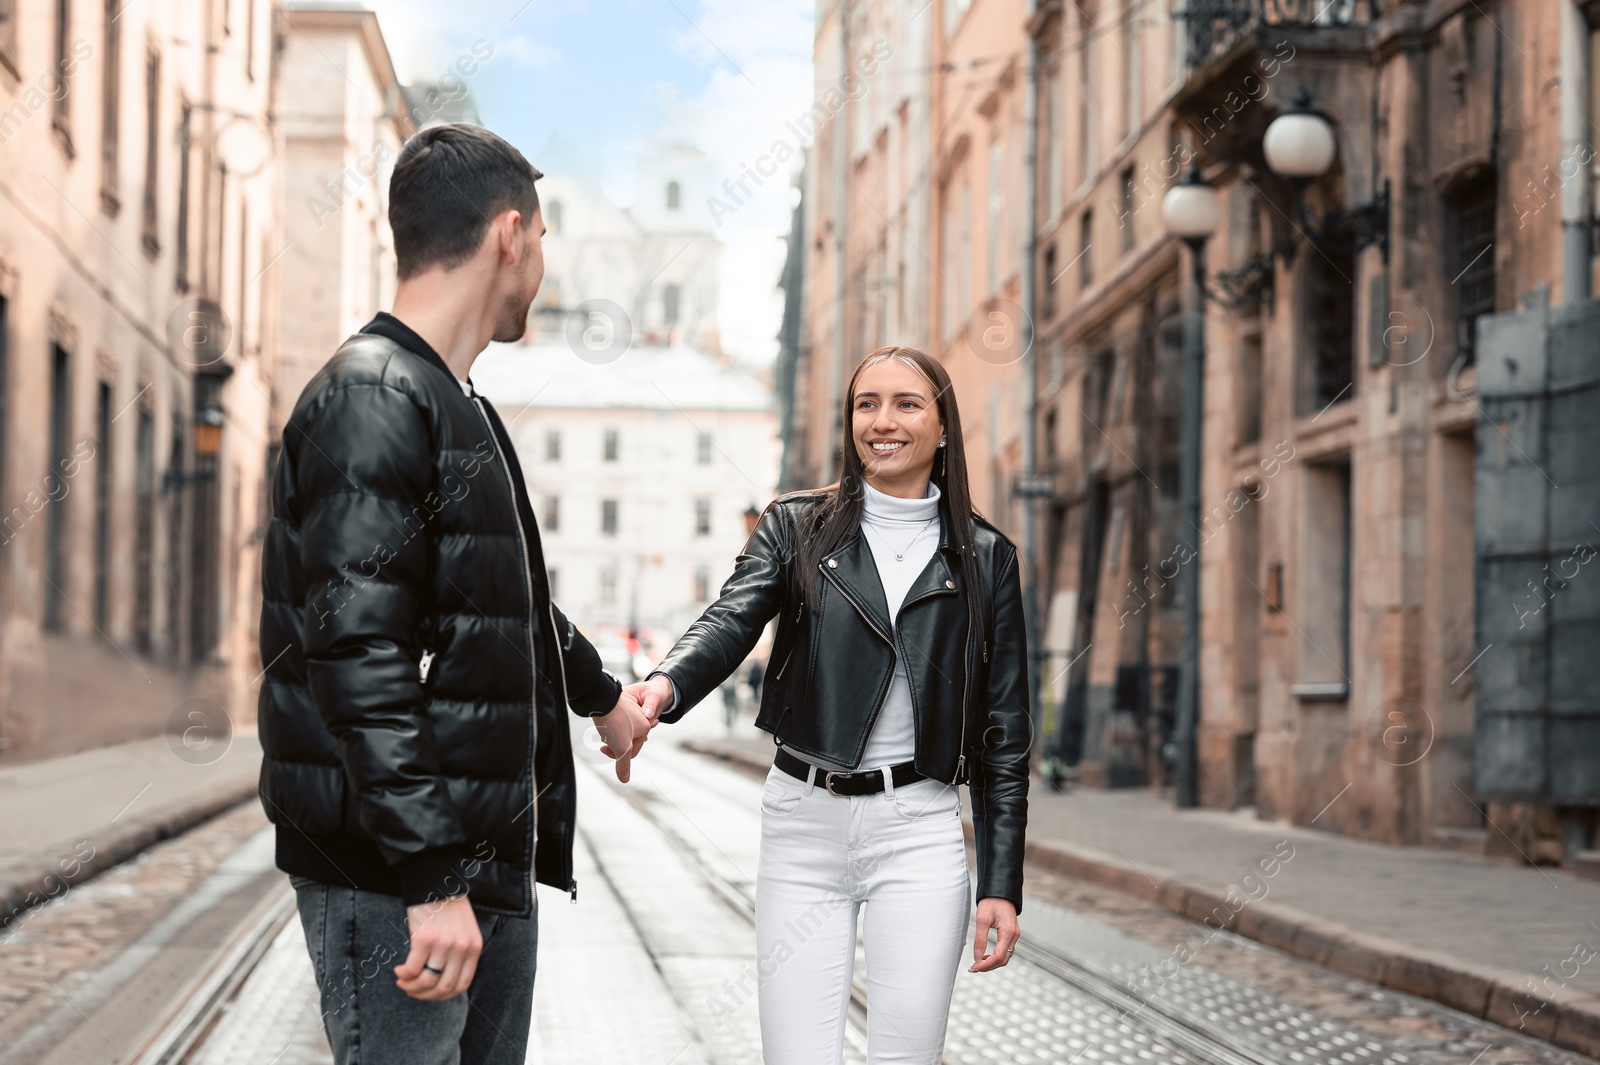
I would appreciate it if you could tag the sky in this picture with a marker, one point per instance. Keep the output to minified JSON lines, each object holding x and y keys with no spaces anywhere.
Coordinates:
{"x":610,"y":76}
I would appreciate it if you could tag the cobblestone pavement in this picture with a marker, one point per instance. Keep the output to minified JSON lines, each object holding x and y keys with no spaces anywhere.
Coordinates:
{"x":666,"y":886}
{"x":1493,"y":915}
{"x":50,"y":952}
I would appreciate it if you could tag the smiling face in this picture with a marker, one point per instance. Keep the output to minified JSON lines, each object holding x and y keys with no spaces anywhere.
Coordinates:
{"x":896,"y":426}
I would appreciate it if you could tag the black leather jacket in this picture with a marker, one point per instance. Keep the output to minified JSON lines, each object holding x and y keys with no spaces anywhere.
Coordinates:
{"x":401,"y":534}
{"x":830,"y":668}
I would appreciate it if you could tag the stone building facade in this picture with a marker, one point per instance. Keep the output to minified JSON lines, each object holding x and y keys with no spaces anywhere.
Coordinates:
{"x":1345,"y":449}
{"x":915,"y":222}
{"x":136,"y":358}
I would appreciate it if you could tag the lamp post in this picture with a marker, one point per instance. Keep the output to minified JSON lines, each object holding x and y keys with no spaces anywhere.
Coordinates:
{"x":1300,"y":146}
{"x":1191,"y":212}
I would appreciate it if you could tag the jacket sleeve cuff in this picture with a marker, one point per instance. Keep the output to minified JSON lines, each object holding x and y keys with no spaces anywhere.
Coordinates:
{"x":431,"y":875}
{"x":599,"y":698}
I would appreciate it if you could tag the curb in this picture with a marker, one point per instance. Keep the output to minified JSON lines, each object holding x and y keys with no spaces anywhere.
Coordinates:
{"x":1570,"y":1021}
{"x":59,"y":869}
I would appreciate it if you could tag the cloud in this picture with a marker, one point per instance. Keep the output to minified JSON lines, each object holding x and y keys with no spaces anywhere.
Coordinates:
{"x":541,"y":55}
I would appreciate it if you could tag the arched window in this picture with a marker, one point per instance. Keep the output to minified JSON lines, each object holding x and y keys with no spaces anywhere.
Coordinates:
{"x":674,"y":195}
{"x":552,"y":216}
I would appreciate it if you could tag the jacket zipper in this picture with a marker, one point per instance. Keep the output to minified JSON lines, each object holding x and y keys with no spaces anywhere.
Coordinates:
{"x":533,"y":694}
{"x":561,"y":666}
{"x":894,"y":648}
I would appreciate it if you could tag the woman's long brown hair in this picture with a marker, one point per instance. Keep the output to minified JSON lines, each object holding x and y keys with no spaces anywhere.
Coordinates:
{"x":838,"y":517}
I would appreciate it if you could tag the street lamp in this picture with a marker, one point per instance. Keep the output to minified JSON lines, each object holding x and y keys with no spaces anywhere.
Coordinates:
{"x":1191,"y":212}
{"x":1300,"y":145}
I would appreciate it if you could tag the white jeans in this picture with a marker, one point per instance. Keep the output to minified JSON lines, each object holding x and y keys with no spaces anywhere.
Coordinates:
{"x":899,"y":855}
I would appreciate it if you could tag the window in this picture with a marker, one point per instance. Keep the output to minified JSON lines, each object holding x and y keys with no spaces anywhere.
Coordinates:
{"x":1469,"y":235}
{"x":144,"y":527}
{"x":1330,"y":314}
{"x":702,"y":448}
{"x":1324,"y":600}
{"x":1128,"y":207}
{"x":152,"y":145}
{"x":674,"y":195}
{"x":56,"y":488}
{"x":610,"y":445}
{"x":1131,"y":74}
{"x":250,"y":39}
{"x":964,"y":262}
{"x":671,"y":304}
{"x":552,"y":514}
{"x":702,"y":583}
{"x":1248,"y":391}
{"x":102,"y":509}
{"x":552,"y":445}
{"x":1088,"y":133}
{"x":1054,"y":178}
{"x":186,"y":125}
{"x":608,"y":517}
{"x":111,"y":76}
{"x":1085,"y":246}
{"x":174,"y":581}
{"x":702,"y":517}
{"x":552,"y":217}
{"x":608,"y":584}
{"x":997,"y":202}
{"x":947,"y":249}
{"x":61,"y":118}
{"x":1048,"y":281}
{"x":8,"y":34}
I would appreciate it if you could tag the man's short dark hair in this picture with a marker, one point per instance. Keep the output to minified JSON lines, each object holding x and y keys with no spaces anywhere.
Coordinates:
{"x":448,"y":183}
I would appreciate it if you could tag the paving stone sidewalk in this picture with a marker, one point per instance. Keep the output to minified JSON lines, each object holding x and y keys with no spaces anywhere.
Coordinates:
{"x":63,"y":820}
{"x":1516,"y":944}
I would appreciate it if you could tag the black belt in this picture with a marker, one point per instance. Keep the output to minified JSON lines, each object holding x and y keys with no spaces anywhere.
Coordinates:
{"x":864,"y":783}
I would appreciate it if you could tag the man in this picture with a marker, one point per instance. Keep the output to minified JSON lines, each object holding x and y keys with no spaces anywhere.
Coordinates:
{"x":417,"y":765}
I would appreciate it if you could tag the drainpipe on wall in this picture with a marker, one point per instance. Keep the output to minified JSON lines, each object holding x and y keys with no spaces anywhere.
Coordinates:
{"x":1577,"y":196}
{"x":841,"y":221}
{"x":1032,"y":596}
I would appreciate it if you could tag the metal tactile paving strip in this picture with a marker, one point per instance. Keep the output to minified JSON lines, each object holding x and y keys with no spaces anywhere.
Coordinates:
{"x":1237,"y":1014}
{"x":275,"y":1017}
{"x":1023,"y":1015}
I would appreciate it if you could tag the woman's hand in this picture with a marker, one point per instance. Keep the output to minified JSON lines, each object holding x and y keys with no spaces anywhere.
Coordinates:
{"x":654,"y":695}
{"x":1001,"y":916}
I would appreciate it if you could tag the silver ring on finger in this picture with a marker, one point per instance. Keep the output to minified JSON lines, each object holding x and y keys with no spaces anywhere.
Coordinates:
{"x":430,"y":969}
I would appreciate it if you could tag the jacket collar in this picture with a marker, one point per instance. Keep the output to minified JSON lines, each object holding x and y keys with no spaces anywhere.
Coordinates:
{"x":389,"y":327}
{"x":854,"y":569}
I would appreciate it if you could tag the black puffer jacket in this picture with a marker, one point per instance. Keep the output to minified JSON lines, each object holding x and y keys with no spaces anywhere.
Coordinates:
{"x":417,"y":666}
{"x":831,"y":667}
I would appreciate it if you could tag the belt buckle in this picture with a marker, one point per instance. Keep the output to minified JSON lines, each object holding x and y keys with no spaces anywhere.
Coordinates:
{"x":827,"y":781}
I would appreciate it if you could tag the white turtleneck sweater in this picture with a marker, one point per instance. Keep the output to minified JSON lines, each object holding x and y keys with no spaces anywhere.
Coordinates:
{"x":907,"y":528}
{"x":910,"y":529}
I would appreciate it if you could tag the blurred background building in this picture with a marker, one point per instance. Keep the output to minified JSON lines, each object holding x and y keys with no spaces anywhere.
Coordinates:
{"x":137,"y":352}
{"x":1390,"y":598}
{"x":647,"y":471}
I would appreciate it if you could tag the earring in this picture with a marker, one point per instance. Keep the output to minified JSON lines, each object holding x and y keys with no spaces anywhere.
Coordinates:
{"x":941,"y":443}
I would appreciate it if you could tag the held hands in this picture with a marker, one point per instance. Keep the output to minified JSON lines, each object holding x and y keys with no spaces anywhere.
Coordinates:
{"x":622,"y":731}
{"x":1001,"y":916}
{"x":655,"y":696}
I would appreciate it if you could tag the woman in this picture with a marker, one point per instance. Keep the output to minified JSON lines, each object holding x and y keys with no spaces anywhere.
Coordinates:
{"x":898,"y":672}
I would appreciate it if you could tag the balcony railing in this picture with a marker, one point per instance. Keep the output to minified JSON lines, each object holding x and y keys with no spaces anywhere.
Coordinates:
{"x":1215,"y":26}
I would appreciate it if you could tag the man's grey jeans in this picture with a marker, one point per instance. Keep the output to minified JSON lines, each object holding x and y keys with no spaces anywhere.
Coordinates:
{"x":356,"y":938}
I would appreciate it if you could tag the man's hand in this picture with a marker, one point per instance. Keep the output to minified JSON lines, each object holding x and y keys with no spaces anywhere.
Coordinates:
{"x":654,"y":695}
{"x":623,"y":729}
{"x":1000,"y":915}
{"x":445,"y":944}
